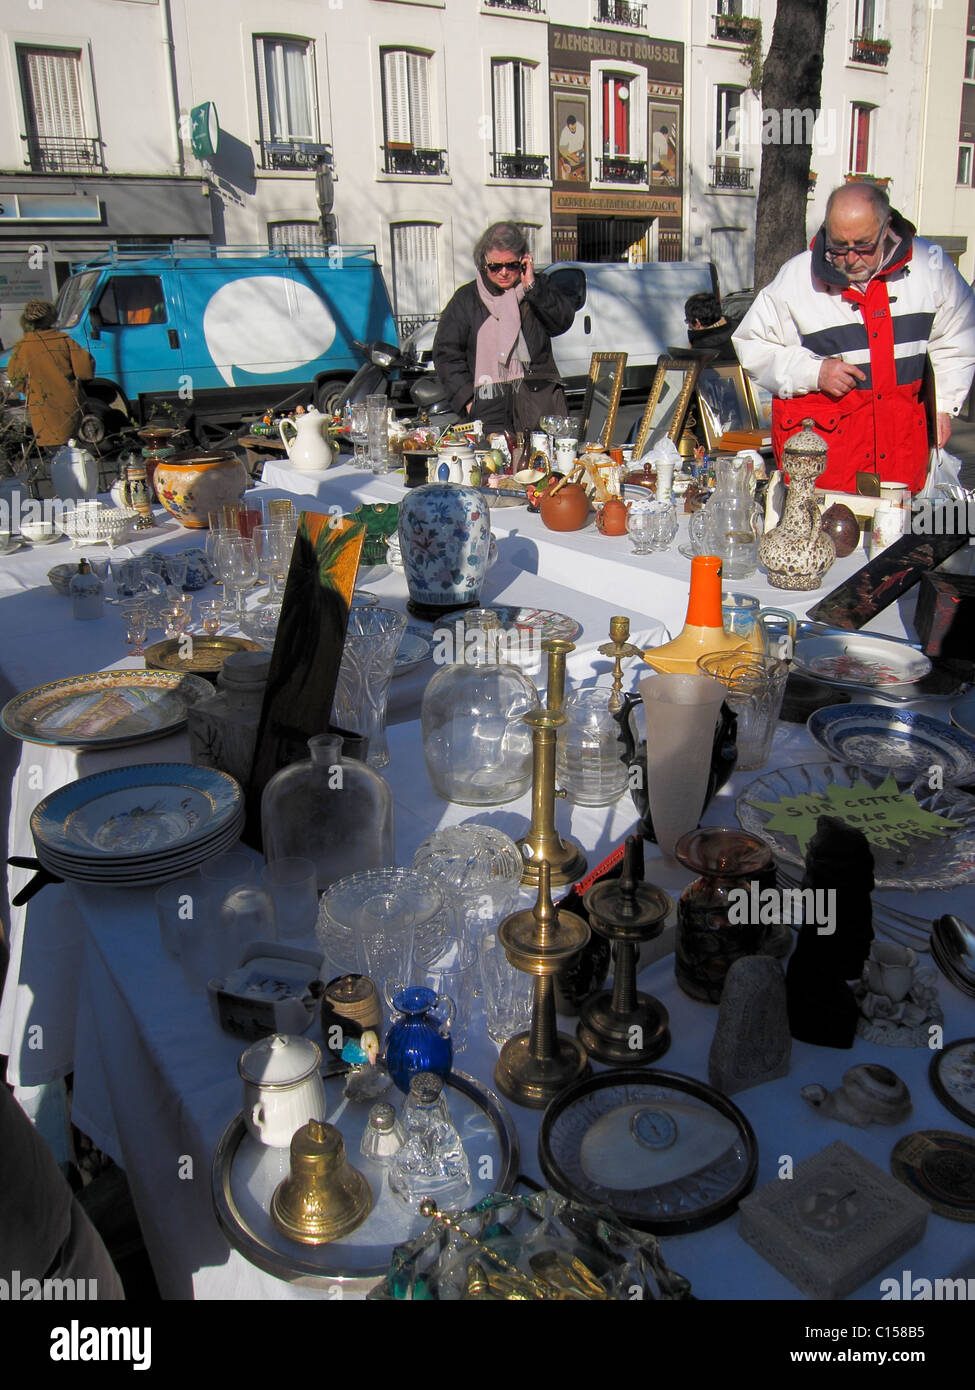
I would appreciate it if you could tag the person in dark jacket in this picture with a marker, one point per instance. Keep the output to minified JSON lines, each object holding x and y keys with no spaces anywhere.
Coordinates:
{"x":708,"y":328}
{"x":493,"y":349}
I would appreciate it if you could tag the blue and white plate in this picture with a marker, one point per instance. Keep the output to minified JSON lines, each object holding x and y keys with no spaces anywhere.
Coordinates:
{"x":870,"y":735}
{"x":963,"y":714}
{"x":136,"y":813}
{"x":416,"y":646}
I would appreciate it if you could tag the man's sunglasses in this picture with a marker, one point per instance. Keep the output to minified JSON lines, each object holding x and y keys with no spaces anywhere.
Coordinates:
{"x":838,"y":253}
{"x":496,"y":267}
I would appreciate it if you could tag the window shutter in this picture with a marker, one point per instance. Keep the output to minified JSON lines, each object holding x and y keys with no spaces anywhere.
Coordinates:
{"x":396,"y":97}
{"x":504,"y":107}
{"x":416,"y":277}
{"x":418,"y":66}
{"x":296,"y":236}
{"x":52,"y":93}
{"x":528,"y":142}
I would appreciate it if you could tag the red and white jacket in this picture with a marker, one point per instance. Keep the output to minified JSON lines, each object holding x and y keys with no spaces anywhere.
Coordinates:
{"x":917,"y":307}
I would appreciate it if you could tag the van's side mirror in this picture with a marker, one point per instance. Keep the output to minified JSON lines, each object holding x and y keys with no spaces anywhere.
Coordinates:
{"x":95,"y":322}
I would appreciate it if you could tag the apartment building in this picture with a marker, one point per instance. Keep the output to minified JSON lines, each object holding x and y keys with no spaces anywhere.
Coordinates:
{"x":609,"y":130}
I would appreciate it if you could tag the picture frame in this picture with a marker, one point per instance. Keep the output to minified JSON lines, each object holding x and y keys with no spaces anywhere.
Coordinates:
{"x":665,"y":161}
{"x":602,"y":399}
{"x":760,"y":400}
{"x":570,"y":157}
{"x":724,"y":402}
{"x":670,"y":397}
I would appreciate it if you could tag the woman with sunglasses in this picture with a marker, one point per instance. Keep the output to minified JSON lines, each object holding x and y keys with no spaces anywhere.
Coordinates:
{"x":493,"y":349}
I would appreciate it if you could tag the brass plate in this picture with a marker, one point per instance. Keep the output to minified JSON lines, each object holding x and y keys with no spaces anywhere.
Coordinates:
{"x":209,"y":653}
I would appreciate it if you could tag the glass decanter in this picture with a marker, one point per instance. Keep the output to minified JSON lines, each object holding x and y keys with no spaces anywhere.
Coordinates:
{"x":477,"y":746}
{"x":332,"y":809}
{"x":729,"y":524}
{"x":432,"y":1161}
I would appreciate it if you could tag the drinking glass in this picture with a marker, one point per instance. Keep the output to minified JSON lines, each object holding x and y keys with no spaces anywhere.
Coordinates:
{"x":181,"y":900}
{"x":211,"y":616}
{"x":378,"y":417}
{"x":755,"y":688}
{"x":507,"y":992}
{"x":281,"y":512}
{"x":246,"y":915}
{"x":293,"y":886}
{"x":362,"y":690}
{"x":448,"y":967}
{"x":237,"y":565}
{"x":274,"y":545}
{"x":682,"y":712}
{"x":177,"y":567}
{"x":359,"y":430}
{"x":135,"y":616}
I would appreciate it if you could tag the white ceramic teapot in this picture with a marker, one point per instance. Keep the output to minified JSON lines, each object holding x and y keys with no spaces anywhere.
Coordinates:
{"x":74,"y":473}
{"x":308,"y":449}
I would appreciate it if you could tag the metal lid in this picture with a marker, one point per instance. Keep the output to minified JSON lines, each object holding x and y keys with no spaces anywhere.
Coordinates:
{"x":426,"y":1087}
{"x":382,"y":1117}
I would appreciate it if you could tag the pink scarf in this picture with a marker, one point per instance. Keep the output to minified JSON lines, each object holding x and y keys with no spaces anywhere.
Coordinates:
{"x":501,"y":348}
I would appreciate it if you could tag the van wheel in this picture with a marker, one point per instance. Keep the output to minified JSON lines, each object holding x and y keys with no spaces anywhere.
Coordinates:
{"x":93,"y":427}
{"x":330,"y":396}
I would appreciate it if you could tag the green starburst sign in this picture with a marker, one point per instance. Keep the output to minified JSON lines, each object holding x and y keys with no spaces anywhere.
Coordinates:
{"x":886,"y":816}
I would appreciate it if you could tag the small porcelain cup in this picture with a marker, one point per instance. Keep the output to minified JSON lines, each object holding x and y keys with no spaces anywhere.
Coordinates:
{"x":890,"y":970}
{"x":282,"y":1088}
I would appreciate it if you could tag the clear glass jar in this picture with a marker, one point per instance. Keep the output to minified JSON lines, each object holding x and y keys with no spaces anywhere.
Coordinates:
{"x":333,"y":810}
{"x":477,"y":746}
{"x":589,"y":754}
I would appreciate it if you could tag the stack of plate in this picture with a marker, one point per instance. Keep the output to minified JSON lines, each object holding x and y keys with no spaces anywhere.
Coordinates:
{"x":134,"y":826}
{"x":953,"y":951}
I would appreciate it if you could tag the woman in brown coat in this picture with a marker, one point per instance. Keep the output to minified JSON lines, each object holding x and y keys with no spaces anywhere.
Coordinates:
{"x":47,"y":366}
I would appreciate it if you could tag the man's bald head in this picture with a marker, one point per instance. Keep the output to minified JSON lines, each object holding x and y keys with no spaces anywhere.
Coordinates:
{"x":855,"y":196}
{"x":857,"y":215}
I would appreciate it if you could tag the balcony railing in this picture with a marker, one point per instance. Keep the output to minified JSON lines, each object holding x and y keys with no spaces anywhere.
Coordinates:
{"x":731,"y":176}
{"x":619,"y":12}
{"x":48,"y":154}
{"x":521,"y":166}
{"x":734,"y":28}
{"x":422,"y":163}
{"x":533,"y":6}
{"x":301,"y":155}
{"x":874,"y":52}
{"x":618,"y":169}
{"x":409,"y":323}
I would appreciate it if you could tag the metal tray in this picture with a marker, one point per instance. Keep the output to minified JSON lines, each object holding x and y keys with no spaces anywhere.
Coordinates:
{"x":244,"y":1212}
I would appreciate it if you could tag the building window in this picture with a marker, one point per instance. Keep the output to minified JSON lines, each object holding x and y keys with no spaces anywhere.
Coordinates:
{"x":530,"y":232}
{"x":513,"y":89}
{"x":58,"y":139}
{"x":860,"y":139}
{"x":970,"y":62}
{"x":295,"y":236}
{"x":734,"y":21}
{"x":416,"y":275}
{"x":624,"y":138}
{"x":616,"y":115}
{"x":727,"y":132}
{"x":964,"y":166}
{"x":869,"y":44}
{"x":287,"y":102}
{"x":407,"y":115}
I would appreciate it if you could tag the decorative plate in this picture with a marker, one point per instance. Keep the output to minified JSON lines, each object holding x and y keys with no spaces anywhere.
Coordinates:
{"x":132,"y":811}
{"x":497,"y":497}
{"x":896,"y":739}
{"x":208,"y":653}
{"x":115,"y":868}
{"x":852,"y":659}
{"x":665,"y":1153}
{"x":416,"y":646}
{"x":106,"y":709}
{"x":952,"y":1077}
{"x":963,"y":714}
{"x":540,"y":620}
{"x":939,"y":1165}
{"x":245,"y":1174}
{"x":924,"y":856}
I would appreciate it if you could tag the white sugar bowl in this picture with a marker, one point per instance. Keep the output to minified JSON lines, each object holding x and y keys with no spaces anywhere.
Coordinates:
{"x":282,"y":1088}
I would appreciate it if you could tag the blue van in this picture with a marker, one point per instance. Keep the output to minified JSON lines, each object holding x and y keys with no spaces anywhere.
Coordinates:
{"x":218,"y":331}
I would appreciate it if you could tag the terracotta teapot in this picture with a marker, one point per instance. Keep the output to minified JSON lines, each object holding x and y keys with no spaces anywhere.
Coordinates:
{"x":566,"y":509}
{"x":611,"y":518}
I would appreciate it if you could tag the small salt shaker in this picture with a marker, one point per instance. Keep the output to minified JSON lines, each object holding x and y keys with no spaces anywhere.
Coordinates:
{"x":383,"y":1136}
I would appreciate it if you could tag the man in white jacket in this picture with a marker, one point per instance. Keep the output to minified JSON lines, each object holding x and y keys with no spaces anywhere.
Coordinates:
{"x":842,"y":334}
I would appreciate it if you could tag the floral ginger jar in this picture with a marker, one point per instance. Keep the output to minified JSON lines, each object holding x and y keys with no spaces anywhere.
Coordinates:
{"x":445,"y":536}
{"x":190,"y":486}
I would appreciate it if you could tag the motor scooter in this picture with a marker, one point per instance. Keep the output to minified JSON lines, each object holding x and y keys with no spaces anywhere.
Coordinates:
{"x":387,"y":372}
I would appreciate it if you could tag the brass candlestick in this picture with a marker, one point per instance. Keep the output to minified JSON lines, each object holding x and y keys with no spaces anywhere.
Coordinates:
{"x":618,"y":647}
{"x":625,"y":1028}
{"x":535,"y":1066}
{"x":543,"y":842}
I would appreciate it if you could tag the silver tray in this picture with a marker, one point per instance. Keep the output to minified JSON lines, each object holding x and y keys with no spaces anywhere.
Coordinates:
{"x":244,"y":1213}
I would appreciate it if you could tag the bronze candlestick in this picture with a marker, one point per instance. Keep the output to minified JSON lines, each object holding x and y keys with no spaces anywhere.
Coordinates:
{"x":625,"y":1028}
{"x":543,"y":842}
{"x":618,"y":647}
{"x":535,"y":1066}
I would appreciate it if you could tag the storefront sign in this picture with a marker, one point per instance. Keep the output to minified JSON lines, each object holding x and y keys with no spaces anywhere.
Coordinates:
{"x":50,"y":207}
{"x":642,"y":204}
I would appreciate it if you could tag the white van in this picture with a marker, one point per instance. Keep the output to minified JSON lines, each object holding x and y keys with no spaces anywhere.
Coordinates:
{"x":636,"y":309}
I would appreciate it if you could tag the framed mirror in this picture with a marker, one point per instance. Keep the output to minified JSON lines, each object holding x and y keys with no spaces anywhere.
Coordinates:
{"x":724,"y":402}
{"x":761,"y":404}
{"x":602,"y":399}
{"x":666,"y":408}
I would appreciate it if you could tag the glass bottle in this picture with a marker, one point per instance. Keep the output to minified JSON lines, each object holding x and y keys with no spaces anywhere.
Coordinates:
{"x":332,"y":809}
{"x":729,"y":523}
{"x":589,"y":762}
{"x":86,"y":593}
{"x":477,"y":746}
{"x":432,"y":1161}
{"x":419,"y":1040}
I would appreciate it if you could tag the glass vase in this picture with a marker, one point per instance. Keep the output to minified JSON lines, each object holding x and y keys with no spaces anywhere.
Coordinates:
{"x":332,"y":809}
{"x":362,"y":690}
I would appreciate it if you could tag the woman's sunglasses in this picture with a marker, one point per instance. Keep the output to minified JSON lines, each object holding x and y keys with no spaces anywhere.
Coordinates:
{"x":496,"y":267}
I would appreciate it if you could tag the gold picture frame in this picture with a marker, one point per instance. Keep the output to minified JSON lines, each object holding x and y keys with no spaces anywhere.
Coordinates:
{"x":724,"y":402}
{"x":602,"y":394}
{"x":666,"y":409}
{"x":760,"y":400}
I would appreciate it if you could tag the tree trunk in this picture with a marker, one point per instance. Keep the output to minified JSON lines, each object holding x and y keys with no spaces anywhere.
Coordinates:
{"x":791,"y":92}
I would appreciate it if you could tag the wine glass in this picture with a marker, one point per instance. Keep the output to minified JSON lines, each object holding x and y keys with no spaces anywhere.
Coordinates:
{"x":274,"y":545}
{"x":238,"y":568}
{"x":135,"y":616}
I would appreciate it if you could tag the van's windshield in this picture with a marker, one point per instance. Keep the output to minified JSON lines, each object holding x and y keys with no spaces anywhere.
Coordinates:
{"x":74,"y":297}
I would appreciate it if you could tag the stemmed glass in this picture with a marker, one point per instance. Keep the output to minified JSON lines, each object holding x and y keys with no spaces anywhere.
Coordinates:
{"x":555,"y":426}
{"x":359,"y":430}
{"x":237,"y":567}
{"x":135,"y":616}
{"x":274,"y":545}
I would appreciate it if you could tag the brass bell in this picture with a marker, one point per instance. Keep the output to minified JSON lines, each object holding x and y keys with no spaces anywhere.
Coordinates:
{"x":324,"y":1197}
